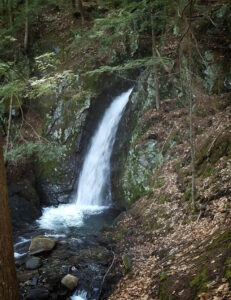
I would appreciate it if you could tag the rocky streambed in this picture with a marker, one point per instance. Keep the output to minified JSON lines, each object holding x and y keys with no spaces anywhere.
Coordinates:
{"x":54,"y":265}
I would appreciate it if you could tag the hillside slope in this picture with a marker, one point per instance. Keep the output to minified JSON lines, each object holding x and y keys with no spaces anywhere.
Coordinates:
{"x":174,"y":253}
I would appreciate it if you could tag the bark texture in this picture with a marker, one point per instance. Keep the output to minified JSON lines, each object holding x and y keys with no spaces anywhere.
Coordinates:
{"x":8,"y":281}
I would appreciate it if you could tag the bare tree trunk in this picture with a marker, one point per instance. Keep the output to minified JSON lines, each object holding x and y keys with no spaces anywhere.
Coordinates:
{"x":155,"y":68}
{"x":10,"y":12}
{"x":80,"y":6}
{"x":9,"y":124}
{"x":26,"y":27}
{"x":191,"y":131}
{"x":73,"y":4}
{"x":191,"y":137}
{"x":8,"y":280}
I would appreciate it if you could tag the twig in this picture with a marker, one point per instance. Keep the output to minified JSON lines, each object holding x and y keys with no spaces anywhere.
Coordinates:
{"x":198,"y":218}
{"x":108,"y":270}
{"x":193,"y":36}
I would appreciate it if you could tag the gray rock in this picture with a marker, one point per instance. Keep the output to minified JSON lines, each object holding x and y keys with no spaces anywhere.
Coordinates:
{"x":70,"y":281}
{"x":40,"y":244}
{"x":33,"y":263}
{"x":37,"y":294}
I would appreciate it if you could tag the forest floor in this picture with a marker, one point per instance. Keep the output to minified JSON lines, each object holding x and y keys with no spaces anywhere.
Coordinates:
{"x":164,"y":249}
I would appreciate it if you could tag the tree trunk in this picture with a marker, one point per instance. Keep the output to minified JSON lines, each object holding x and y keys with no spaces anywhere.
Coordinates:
{"x":73,"y":4}
{"x":191,"y":131}
{"x":10,"y":12}
{"x":26,"y":27}
{"x":9,"y":124}
{"x":155,"y":68}
{"x":8,"y":280}
{"x":80,"y":6}
{"x":192,"y":148}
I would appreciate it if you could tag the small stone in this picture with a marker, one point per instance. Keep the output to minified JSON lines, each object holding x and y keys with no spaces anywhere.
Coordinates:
{"x":37,"y":294}
{"x":40,"y":244}
{"x":70,"y":281}
{"x":33,"y":263}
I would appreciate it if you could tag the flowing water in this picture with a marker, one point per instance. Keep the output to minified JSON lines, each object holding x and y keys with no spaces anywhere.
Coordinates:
{"x":78,"y":223}
{"x":94,"y":190}
{"x":94,"y":182}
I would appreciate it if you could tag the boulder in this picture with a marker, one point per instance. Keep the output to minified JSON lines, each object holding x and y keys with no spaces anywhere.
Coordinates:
{"x":37,"y":294}
{"x":40,"y":244}
{"x":70,"y":281}
{"x":33,"y":263}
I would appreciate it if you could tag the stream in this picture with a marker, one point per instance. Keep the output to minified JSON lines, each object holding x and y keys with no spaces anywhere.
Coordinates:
{"x":76,"y":226}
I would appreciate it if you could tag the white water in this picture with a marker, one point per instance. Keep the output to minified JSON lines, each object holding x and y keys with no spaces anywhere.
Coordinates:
{"x":93,"y":194}
{"x":81,"y":295}
{"x":94,"y":181}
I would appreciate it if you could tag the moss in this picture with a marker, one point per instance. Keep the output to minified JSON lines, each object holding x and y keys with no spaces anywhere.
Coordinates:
{"x":163,"y":276}
{"x":227,"y":269}
{"x":223,"y":239}
{"x":210,"y":152}
{"x":228,"y":276}
{"x":160,"y":182}
{"x":99,"y":255}
{"x":199,"y":283}
{"x":187,"y":195}
{"x":120,"y":233}
{"x":177,"y":137}
{"x":126,"y":262}
{"x":165,"y":287}
{"x":201,"y":112}
{"x":162,"y":198}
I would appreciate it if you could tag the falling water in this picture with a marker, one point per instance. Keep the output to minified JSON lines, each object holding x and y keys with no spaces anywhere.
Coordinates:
{"x":94,"y":191}
{"x":94,"y":181}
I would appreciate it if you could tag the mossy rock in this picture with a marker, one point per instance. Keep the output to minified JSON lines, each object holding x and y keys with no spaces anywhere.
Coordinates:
{"x":211,"y":151}
{"x":127,"y":262}
{"x":97,"y":82}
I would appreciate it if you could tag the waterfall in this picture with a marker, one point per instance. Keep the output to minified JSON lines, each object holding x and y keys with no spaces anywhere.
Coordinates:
{"x":94,"y":180}
{"x":94,"y":190}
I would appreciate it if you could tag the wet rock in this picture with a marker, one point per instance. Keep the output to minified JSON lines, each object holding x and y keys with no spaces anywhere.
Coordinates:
{"x":24,"y":276}
{"x":40,"y":244}
{"x":23,"y":198}
{"x":37,"y":294}
{"x":70,"y":282}
{"x":33,"y":263}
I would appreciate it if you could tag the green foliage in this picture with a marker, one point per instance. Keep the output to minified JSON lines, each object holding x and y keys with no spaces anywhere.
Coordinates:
{"x":132,"y":64}
{"x":49,"y":85}
{"x":46,"y":62}
{"x":44,"y":152}
{"x":12,"y":86}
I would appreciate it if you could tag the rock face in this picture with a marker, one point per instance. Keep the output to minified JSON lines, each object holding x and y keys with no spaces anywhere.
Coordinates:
{"x":33,"y":263}
{"x":23,"y":199}
{"x":70,"y":282}
{"x":40,"y":244}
